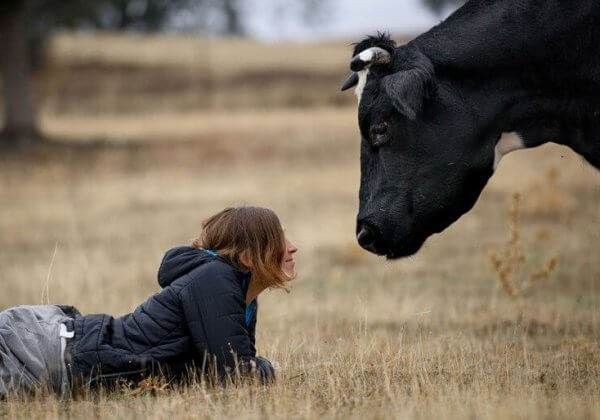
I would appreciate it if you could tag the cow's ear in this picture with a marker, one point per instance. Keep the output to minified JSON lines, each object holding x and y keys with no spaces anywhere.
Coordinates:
{"x":409,"y":88}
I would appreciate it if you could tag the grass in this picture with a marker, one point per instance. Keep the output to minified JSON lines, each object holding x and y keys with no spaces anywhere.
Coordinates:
{"x":509,"y":266}
{"x":114,"y":73}
{"x":431,"y":336}
{"x":427,"y":337}
{"x":230,"y":56}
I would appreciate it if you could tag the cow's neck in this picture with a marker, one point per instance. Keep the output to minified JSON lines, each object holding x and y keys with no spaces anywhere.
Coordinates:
{"x":491,"y":35}
{"x":571,"y":119}
{"x":507,"y":105}
{"x":534,"y":71}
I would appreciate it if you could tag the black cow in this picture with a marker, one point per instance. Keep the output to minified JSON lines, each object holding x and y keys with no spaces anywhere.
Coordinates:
{"x":432,"y":112}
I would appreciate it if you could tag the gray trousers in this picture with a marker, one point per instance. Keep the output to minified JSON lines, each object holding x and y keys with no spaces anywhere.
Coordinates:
{"x":31,"y":354}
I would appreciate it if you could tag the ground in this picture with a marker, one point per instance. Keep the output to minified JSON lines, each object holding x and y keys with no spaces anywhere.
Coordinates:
{"x":431,"y":336}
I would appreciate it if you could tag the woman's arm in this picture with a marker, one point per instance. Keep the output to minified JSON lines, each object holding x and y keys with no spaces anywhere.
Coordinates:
{"x":214,"y":310}
{"x":252,"y":327}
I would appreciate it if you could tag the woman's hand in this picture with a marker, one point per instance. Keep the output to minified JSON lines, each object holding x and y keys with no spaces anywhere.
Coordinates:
{"x":263,"y":368}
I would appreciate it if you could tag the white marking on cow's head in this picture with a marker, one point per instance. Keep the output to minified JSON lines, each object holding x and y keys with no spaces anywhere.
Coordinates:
{"x":367,"y":55}
{"x":506,"y":144}
{"x":360,"y":65}
{"x":362,"y":81}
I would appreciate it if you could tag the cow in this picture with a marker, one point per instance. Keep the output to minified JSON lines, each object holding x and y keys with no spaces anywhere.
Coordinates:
{"x":432,"y":112}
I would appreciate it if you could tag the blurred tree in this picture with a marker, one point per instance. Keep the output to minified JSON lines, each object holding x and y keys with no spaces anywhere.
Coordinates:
{"x":24,"y":24}
{"x":19,"y":115}
{"x":231,"y":10}
{"x":232,"y":17}
{"x":438,"y":5}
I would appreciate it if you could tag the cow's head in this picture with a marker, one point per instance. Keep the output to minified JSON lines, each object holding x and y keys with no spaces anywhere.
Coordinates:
{"x":425,"y":157}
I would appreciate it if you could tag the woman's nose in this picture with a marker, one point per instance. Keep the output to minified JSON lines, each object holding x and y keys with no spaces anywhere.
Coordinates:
{"x":292,"y":248}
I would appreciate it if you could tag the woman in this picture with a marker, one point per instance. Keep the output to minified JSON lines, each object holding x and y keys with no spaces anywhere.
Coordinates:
{"x":204,"y":317}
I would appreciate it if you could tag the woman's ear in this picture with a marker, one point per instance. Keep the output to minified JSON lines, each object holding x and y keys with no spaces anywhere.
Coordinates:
{"x":245,"y":260}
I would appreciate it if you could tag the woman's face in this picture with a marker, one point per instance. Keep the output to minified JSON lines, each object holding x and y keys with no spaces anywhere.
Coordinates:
{"x":289,"y":263}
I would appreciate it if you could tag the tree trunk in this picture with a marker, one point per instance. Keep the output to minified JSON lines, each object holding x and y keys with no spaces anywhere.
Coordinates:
{"x":19,"y":114}
{"x":233,"y":24}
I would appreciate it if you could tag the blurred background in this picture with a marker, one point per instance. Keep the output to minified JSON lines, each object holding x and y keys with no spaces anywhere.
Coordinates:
{"x":126,"y":123}
{"x":140,"y":56}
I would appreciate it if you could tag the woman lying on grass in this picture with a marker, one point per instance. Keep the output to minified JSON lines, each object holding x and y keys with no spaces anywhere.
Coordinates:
{"x":204,"y":317}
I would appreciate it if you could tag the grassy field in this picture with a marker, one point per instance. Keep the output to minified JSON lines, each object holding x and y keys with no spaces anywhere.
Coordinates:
{"x":432,"y":336}
{"x":114,"y":73}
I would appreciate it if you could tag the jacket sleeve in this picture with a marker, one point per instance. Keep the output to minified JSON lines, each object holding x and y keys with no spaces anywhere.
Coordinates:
{"x":214,"y":309}
{"x":252,"y":327}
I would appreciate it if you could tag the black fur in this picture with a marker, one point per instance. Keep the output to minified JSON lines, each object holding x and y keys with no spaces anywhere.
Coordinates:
{"x":494,"y":66}
{"x":409,"y":88}
{"x":381,"y":40}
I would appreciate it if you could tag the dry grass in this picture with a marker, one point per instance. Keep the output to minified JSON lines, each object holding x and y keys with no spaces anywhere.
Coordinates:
{"x":514,"y":278}
{"x":432,"y":336}
{"x":115,"y":73}
{"x":426,"y":337}
{"x":292,"y":126}
{"x":223,"y":56}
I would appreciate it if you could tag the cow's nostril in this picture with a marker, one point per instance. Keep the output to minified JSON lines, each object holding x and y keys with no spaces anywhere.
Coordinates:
{"x":365,"y":237}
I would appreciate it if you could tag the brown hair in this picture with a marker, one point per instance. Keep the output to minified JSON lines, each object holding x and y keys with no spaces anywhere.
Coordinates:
{"x":251,"y":231}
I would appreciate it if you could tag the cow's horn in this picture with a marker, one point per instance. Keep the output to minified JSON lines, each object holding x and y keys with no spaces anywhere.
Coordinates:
{"x":369,"y":57}
{"x":351,"y":81}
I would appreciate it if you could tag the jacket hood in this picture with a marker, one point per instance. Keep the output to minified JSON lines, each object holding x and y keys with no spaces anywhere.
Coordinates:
{"x":180,"y":261}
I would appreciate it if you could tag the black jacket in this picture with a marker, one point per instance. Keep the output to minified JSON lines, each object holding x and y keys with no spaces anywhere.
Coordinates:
{"x":199,"y":316}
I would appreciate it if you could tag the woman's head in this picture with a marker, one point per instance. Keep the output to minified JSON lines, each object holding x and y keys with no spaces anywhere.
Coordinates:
{"x":253,"y":238}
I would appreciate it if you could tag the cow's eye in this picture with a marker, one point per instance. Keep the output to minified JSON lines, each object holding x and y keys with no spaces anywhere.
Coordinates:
{"x":379,"y":133}
{"x":380,"y":128}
